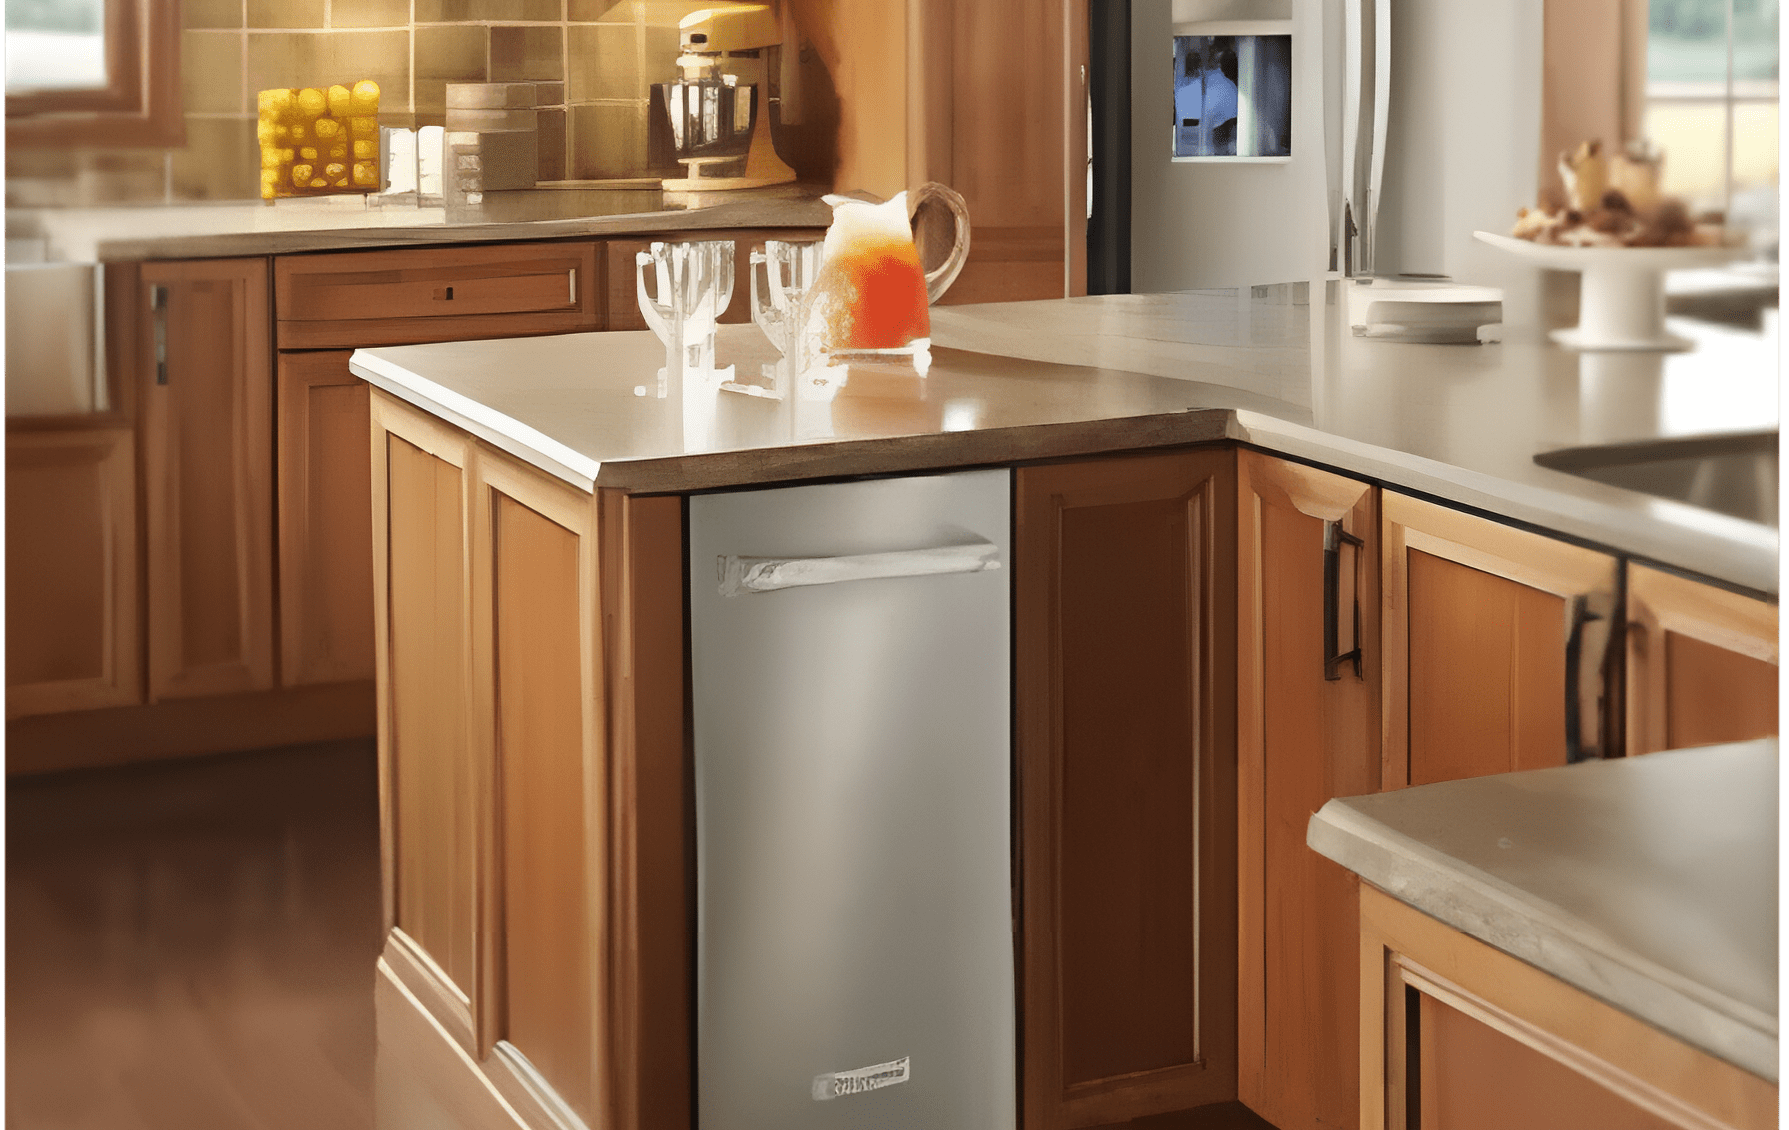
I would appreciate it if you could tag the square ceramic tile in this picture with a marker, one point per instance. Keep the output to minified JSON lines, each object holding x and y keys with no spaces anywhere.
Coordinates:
{"x":586,"y":10}
{"x":602,"y":62}
{"x":439,"y":11}
{"x":211,"y":72}
{"x":523,"y":53}
{"x":323,"y":58}
{"x":550,"y":125}
{"x":211,"y":13}
{"x":286,"y":13}
{"x":369,"y":13}
{"x":453,"y":53}
{"x":119,"y":176}
{"x":220,"y":162}
{"x":607,"y":140}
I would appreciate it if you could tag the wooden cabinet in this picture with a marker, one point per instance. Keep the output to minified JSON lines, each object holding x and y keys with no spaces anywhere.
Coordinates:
{"x":1497,"y":646}
{"x":72,"y":630}
{"x":1458,"y":1035}
{"x":206,"y":392}
{"x":325,"y":526}
{"x":1123,"y":587}
{"x":1701,"y":664}
{"x":1307,"y":730}
{"x":530,"y":652}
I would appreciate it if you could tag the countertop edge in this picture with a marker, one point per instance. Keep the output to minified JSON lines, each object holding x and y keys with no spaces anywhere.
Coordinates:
{"x":1504,"y":917}
{"x":510,"y":435}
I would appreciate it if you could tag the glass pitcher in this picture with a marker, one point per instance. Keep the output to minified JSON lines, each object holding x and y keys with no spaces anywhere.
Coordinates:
{"x":872,"y":294}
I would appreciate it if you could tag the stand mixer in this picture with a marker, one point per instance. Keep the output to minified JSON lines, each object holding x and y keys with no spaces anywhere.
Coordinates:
{"x":719,"y":101}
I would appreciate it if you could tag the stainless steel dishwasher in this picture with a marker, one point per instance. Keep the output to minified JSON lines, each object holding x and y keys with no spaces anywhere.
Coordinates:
{"x":851,"y":687}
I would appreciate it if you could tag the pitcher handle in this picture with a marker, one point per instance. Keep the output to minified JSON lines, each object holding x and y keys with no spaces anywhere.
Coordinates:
{"x":938,"y":281}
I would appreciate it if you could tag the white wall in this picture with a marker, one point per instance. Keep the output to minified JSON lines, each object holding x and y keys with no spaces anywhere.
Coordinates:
{"x":1210,"y":224}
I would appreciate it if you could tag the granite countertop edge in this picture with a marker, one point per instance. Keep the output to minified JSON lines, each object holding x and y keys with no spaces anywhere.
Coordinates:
{"x":1545,"y":936}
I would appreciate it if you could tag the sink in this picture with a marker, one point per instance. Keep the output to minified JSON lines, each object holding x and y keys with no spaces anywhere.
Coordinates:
{"x":1733,"y":473}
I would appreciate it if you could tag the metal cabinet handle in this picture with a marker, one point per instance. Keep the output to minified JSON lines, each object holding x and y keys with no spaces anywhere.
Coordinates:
{"x":740,"y":575}
{"x":1588,"y":630}
{"x":1335,"y":538}
{"x":158,"y":303}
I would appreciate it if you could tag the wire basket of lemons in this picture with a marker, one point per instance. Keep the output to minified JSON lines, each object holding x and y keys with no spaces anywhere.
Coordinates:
{"x":316,"y":142}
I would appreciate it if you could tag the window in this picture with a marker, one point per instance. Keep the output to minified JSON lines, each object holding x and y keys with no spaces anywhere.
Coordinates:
{"x":1711,"y":103}
{"x":93,"y":72}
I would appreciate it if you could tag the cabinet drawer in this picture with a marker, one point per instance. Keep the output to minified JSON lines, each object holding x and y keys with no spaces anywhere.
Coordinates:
{"x":436,"y":294}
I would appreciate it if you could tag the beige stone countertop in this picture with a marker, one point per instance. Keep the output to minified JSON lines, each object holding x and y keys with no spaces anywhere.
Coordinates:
{"x":1064,"y":377}
{"x":199,"y":231}
{"x":1648,"y":882}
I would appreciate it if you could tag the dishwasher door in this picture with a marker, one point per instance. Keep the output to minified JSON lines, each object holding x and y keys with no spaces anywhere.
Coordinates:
{"x":853,"y":805}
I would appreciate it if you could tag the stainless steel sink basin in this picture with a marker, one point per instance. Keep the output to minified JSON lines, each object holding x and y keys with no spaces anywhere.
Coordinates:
{"x":1734,"y":473}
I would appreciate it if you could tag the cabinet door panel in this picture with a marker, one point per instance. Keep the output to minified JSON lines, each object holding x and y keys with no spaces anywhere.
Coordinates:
{"x":208,"y":471}
{"x":325,"y":526}
{"x":431,"y":780}
{"x":1302,"y":738}
{"x":1701,"y":664}
{"x":540,"y":736}
{"x":1487,"y":673}
{"x":1127,"y":786}
{"x":72,"y":634}
{"x":1498,"y":647}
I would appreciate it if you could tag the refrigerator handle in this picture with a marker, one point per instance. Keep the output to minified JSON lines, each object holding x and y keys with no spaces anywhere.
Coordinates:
{"x":740,"y":575}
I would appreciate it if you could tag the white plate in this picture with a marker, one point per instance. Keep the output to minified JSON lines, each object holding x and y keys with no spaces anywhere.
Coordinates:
{"x":1633,"y":258}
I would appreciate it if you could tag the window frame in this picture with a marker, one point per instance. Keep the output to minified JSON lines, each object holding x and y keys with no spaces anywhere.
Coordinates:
{"x":138,"y":107}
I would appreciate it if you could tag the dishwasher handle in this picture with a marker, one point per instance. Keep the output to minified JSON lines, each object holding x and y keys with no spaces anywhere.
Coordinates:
{"x":740,"y":575}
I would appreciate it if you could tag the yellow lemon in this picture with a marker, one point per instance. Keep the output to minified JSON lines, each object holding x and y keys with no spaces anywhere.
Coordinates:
{"x":270,"y":157}
{"x":312,"y":103}
{"x":365,"y":150}
{"x":338,"y":100}
{"x":365,"y":99}
{"x":366,"y":173}
{"x":319,"y":182}
{"x":309,"y":153}
{"x":266,"y":131}
{"x":328,"y":129}
{"x":301,"y":174}
{"x":365,"y":127}
{"x":335,"y":170}
{"x":273,"y":103}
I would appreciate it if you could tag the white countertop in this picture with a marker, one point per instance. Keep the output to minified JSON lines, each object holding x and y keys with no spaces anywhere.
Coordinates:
{"x":1459,"y":423}
{"x":1648,"y":882}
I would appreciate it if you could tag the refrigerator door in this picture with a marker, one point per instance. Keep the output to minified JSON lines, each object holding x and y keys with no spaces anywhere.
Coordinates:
{"x":853,"y":789}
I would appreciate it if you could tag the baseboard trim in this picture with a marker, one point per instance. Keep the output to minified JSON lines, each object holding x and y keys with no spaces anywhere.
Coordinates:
{"x":124,"y":735}
{"x":505,"y":1072}
{"x":423,"y":1077}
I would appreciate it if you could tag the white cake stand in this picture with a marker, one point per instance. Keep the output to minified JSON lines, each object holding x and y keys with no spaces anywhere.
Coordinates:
{"x":1621,"y":303}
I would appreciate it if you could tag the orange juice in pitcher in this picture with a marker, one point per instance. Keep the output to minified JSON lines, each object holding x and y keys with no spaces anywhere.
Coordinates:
{"x":872,"y":294}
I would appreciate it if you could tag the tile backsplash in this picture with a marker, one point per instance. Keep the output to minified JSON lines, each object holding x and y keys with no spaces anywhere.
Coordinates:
{"x":605,"y":53}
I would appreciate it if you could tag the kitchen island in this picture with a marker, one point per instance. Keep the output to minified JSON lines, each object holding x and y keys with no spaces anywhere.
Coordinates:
{"x":1257,"y":563}
{"x":1644,"y":890}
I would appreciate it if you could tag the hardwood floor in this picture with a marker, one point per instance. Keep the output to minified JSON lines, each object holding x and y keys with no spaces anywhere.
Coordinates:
{"x":191,"y":945}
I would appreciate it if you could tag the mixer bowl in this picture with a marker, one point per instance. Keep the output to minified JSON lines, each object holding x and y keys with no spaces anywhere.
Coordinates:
{"x":703,"y":121}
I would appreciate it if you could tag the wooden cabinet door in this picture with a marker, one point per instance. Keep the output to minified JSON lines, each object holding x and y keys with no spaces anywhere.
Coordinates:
{"x":1307,"y":730}
{"x":73,"y":636}
{"x":207,"y":425}
{"x":536,"y":678}
{"x":434,"y":794}
{"x":1701,"y":664}
{"x":325,"y":522}
{"x":1497,"y":646}
{"x":1123,"y":674}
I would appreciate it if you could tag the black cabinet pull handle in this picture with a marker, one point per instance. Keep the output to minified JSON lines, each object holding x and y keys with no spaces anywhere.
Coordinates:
{"x":158,"y":302}
{"x":1583,"y":697}
{"x":1335,"y":538}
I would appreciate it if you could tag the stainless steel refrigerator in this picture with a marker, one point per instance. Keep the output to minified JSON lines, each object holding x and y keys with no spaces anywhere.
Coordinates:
{"x":851,"y":687}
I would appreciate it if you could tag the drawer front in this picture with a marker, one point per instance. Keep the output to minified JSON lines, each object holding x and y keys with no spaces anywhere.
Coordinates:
{"x":437,"y":294}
